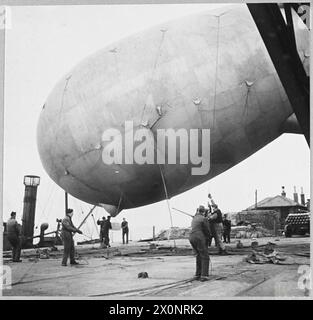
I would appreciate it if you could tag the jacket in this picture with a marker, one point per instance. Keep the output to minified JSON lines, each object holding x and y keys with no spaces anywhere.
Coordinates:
{"x":200,"y":224}
{"x":227,"y":224}
{"x":216,"y":216}
{"x":13,"y":228}
{"x":67,"y":225}
{"x":106,"y":226}
{"x":124,"y":226}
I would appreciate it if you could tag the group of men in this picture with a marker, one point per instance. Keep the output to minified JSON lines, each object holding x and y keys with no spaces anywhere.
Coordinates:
{"x":105,"y":226}
{"x":67,"y":233}
{"x":206,"y":225}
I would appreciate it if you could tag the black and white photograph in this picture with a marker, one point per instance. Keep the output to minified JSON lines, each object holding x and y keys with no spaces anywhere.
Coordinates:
{"x":155,"y":151}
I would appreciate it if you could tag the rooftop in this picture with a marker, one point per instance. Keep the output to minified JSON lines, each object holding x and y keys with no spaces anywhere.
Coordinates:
{"x":277,"y":201}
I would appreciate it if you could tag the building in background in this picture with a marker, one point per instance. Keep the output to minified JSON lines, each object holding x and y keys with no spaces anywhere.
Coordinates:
{"x":282,"y":205}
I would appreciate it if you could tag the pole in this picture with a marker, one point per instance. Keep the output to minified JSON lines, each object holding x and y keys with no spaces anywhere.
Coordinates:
{"x":90,"y":212}
{"x":66,"y":202}
{"x":153,"y":233}
{"x":183,"y":212}
{"x":168,"y":205}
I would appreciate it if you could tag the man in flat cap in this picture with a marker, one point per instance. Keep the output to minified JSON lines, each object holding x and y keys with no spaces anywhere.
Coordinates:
{"x":199,"y":241}
{"x":13,"y":230}
{"x":67,"y":236}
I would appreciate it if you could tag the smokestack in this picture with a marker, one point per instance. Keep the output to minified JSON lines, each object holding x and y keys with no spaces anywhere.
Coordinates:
{"x":256,"y":199}
{"x":302,"y":197}
{"x":31,"y":183}
{"x":295,"y":195}
{"x":283,"y":193}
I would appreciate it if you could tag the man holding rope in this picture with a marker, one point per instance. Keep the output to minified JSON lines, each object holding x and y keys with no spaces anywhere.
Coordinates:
{"x":67,"y":236}
{"x":198,"y":238}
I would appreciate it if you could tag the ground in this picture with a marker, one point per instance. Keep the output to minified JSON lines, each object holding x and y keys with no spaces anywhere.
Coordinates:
{"x":114,"y":272}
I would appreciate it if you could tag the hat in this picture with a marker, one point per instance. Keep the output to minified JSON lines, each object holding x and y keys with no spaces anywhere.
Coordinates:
{"x":201,"y":208}
{"x":69,"y":210}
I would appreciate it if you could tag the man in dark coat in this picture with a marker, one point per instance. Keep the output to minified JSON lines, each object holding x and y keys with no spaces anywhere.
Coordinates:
{"x":216,"y":226}
{"x":67,"y":236}
{"x":226,"y":229}
{"x":105,"y":229}
{"x":101,"y":224}
{"x":125,"y":230}
{"x":199,"y":241}
{"x":13,"y":231}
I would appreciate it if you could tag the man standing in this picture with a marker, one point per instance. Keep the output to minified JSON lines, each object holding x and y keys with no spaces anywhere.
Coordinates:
{"x":217,"y":227}
{"x":67,"y":236}
{"x":106,"y":227}
{"x":199,"y":241}
{"x":13,"y":231}
{"x":125,"y":230}
{"x":226,"y":229}
{"x":101,"y":223}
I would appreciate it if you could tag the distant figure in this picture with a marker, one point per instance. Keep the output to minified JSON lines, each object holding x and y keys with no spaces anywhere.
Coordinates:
{"x":67,"y":237}
{"x":226,"y":229}
{"x":101,"y":224}
{"x":13,"y":231}
{"x":125,"y":230}
{"x":106,"y":227}
{"x":199,"y":241}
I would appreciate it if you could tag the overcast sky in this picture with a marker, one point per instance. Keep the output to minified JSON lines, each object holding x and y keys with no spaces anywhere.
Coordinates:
{"x":46,"y":42}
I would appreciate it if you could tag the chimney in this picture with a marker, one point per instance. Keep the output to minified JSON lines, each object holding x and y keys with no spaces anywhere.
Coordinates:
{"x":256,"y":199}
{"x":302,"y":197}
{"x":295,"y":195}
{"x":31,"y":183}
{"x":283,"y":193}
{"x":308,"y":205}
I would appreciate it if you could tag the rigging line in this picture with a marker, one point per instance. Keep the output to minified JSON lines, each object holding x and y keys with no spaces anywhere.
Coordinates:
{"x":44,"y":212}
{"x":245,"y":109}
{"x":94,"y":220}
{"x":216,"y":67}
{"x":61,"y":108}
{"x":120,"y":201}
{"x":88,"y":228}
{"x":153,"y":70}
{"x":168,"y":203}
{"x":84,"y":220}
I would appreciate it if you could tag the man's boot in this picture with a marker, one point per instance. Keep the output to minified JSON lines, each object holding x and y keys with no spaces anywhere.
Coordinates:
{"x":198,"y":268}
{"x":205,"y":269}
{"x":204,"y":278}
{"x":223,"y":252}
